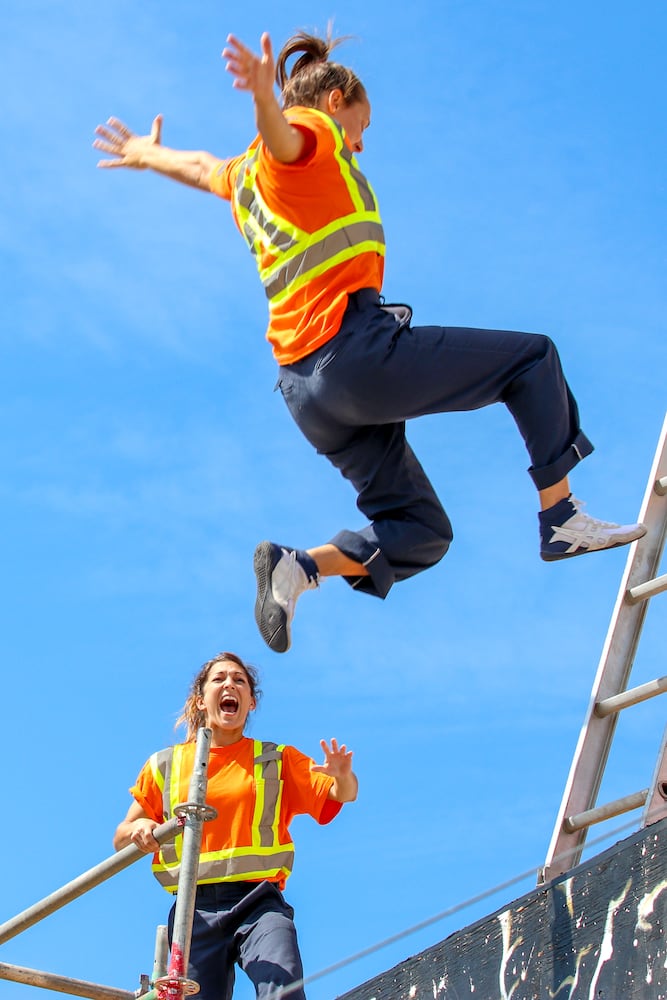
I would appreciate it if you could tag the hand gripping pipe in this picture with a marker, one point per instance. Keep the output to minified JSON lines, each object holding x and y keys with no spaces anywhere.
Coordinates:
{"x":175,"y":985}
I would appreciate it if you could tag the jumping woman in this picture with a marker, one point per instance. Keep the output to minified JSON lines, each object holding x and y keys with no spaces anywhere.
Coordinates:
{"x":353,"y":369}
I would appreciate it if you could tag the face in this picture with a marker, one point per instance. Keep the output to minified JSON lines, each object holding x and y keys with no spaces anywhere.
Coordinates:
{"x":226,"y":699}
{"x":355,"y":118}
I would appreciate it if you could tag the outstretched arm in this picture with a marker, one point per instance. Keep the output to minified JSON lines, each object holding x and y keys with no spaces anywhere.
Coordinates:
{"x":257,"y":74}
{"x":338,"y":765}
{"x":146,"y":152}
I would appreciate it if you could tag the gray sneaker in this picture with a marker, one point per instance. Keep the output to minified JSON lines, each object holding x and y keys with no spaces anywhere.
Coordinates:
{"x":280,"y":580}
{"x":566,"y":531}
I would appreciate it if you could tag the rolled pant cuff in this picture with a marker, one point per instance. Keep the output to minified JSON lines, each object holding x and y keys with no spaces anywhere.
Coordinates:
{"x":549,"y":475}
{"x":355,"y":546}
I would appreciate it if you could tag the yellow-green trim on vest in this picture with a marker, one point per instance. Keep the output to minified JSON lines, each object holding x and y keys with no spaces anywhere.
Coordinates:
{"x":264,"y":858}
{"x":297,"y":256}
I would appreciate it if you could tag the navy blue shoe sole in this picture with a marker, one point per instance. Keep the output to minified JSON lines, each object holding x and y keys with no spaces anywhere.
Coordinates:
{"x":558,"y":556}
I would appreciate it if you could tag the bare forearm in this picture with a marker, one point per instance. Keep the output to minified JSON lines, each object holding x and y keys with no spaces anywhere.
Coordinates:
{"x":123,"y":835}
{"x":285,"y":142}
{"x":123,"y":148}
{"x":256,"y":74}
{"x":185,"y":166}
{"x":137,"y":828}
{"x":345,"y":788}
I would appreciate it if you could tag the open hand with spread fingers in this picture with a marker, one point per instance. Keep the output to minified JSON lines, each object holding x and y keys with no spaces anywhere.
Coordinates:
{"x":124,"y":147}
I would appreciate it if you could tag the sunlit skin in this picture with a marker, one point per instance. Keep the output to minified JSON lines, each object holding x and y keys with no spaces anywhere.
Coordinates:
{"x":226,"y":701}
{"x":355,"y":118}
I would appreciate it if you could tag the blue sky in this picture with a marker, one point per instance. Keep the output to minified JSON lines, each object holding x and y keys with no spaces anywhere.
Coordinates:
{"x":517,"y":150}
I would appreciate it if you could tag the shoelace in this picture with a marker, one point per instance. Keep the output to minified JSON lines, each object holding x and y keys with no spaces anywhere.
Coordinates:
{"x":292,"y":578}
{"x":290,"y":582}
{"x":593,"y":521}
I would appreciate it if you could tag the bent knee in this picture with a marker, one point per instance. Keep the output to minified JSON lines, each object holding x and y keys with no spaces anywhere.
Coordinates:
{"x":542,"y":345}
{"x":439,"y":550}
{"x":442,"y":537}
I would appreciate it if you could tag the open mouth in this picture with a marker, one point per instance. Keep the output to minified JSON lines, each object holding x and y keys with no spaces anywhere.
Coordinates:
{"x":229,"y":704}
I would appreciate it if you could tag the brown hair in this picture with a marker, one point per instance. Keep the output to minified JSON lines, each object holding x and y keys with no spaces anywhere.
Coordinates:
{"x":192,"y":716}
{"x":312,"y":75}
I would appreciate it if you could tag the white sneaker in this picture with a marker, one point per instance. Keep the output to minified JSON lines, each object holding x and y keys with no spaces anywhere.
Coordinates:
{"x":575,"y":532}
{"x":280,"y":580}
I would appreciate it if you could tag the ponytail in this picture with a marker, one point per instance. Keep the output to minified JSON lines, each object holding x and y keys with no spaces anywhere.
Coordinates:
{"x":312,"y":75}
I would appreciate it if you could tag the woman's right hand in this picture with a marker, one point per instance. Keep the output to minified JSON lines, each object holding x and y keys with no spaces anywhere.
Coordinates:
{"x":142,"y":835}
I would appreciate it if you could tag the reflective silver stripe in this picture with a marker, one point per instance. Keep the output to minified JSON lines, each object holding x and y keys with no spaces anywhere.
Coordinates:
{"x":300,"y":255}
{"x":323,"y":251}
{"x":268,"y":763}
{"x":163,"y":762}
{"x":234,"y":869}
{"x":360,"y":180}
{"x":280,"y":239}
{"x":161,"y":765}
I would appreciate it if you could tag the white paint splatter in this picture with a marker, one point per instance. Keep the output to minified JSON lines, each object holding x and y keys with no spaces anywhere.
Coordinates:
{"x":607,"y":945}
{"x":646,"y":905}
{"x":505,"y":920}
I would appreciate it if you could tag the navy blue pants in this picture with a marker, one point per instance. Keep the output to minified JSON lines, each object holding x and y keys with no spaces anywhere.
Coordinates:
{"x":351,"y":398}
{"x":244,"y":923}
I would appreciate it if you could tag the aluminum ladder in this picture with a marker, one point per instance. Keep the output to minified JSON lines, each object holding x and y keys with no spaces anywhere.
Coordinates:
{"x":610,"y":694}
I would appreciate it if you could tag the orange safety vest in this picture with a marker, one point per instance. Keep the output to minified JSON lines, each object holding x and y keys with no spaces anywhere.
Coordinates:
{"x":287,"y":257}
{"x":264,"y":858}
{"x":304,"y":271}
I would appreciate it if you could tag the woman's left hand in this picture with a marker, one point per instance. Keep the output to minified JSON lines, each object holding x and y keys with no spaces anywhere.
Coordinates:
{"x":338,"y":765}
{"x":255,"y":73}
{"x":337,"y":760}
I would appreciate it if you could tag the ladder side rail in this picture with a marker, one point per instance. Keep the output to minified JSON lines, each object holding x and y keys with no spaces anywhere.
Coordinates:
{"x":615,"y":665}
{"x":656,"y":802}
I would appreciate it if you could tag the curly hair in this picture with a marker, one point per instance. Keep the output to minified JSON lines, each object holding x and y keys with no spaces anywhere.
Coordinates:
{"x":192,"y":717}
{"x":312,"y":75}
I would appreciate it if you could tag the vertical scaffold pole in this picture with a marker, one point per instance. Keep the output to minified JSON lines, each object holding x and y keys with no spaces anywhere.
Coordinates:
{"x":175,"y":985}
{"x":161,"y":957}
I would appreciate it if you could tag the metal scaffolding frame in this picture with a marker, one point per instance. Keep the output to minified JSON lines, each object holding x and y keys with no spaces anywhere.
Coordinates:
{"x":169,"y":978}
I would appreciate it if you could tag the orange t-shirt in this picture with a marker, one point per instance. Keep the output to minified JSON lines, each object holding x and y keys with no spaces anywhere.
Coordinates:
{"x":310,"y":194}
{"x":230,"y":790}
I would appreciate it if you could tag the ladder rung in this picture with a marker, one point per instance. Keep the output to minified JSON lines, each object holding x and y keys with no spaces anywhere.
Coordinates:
{"x":645,"y":590}
{"x":661,"y":486}
{"x":585,"y":819}
{"x":633,"y":696}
